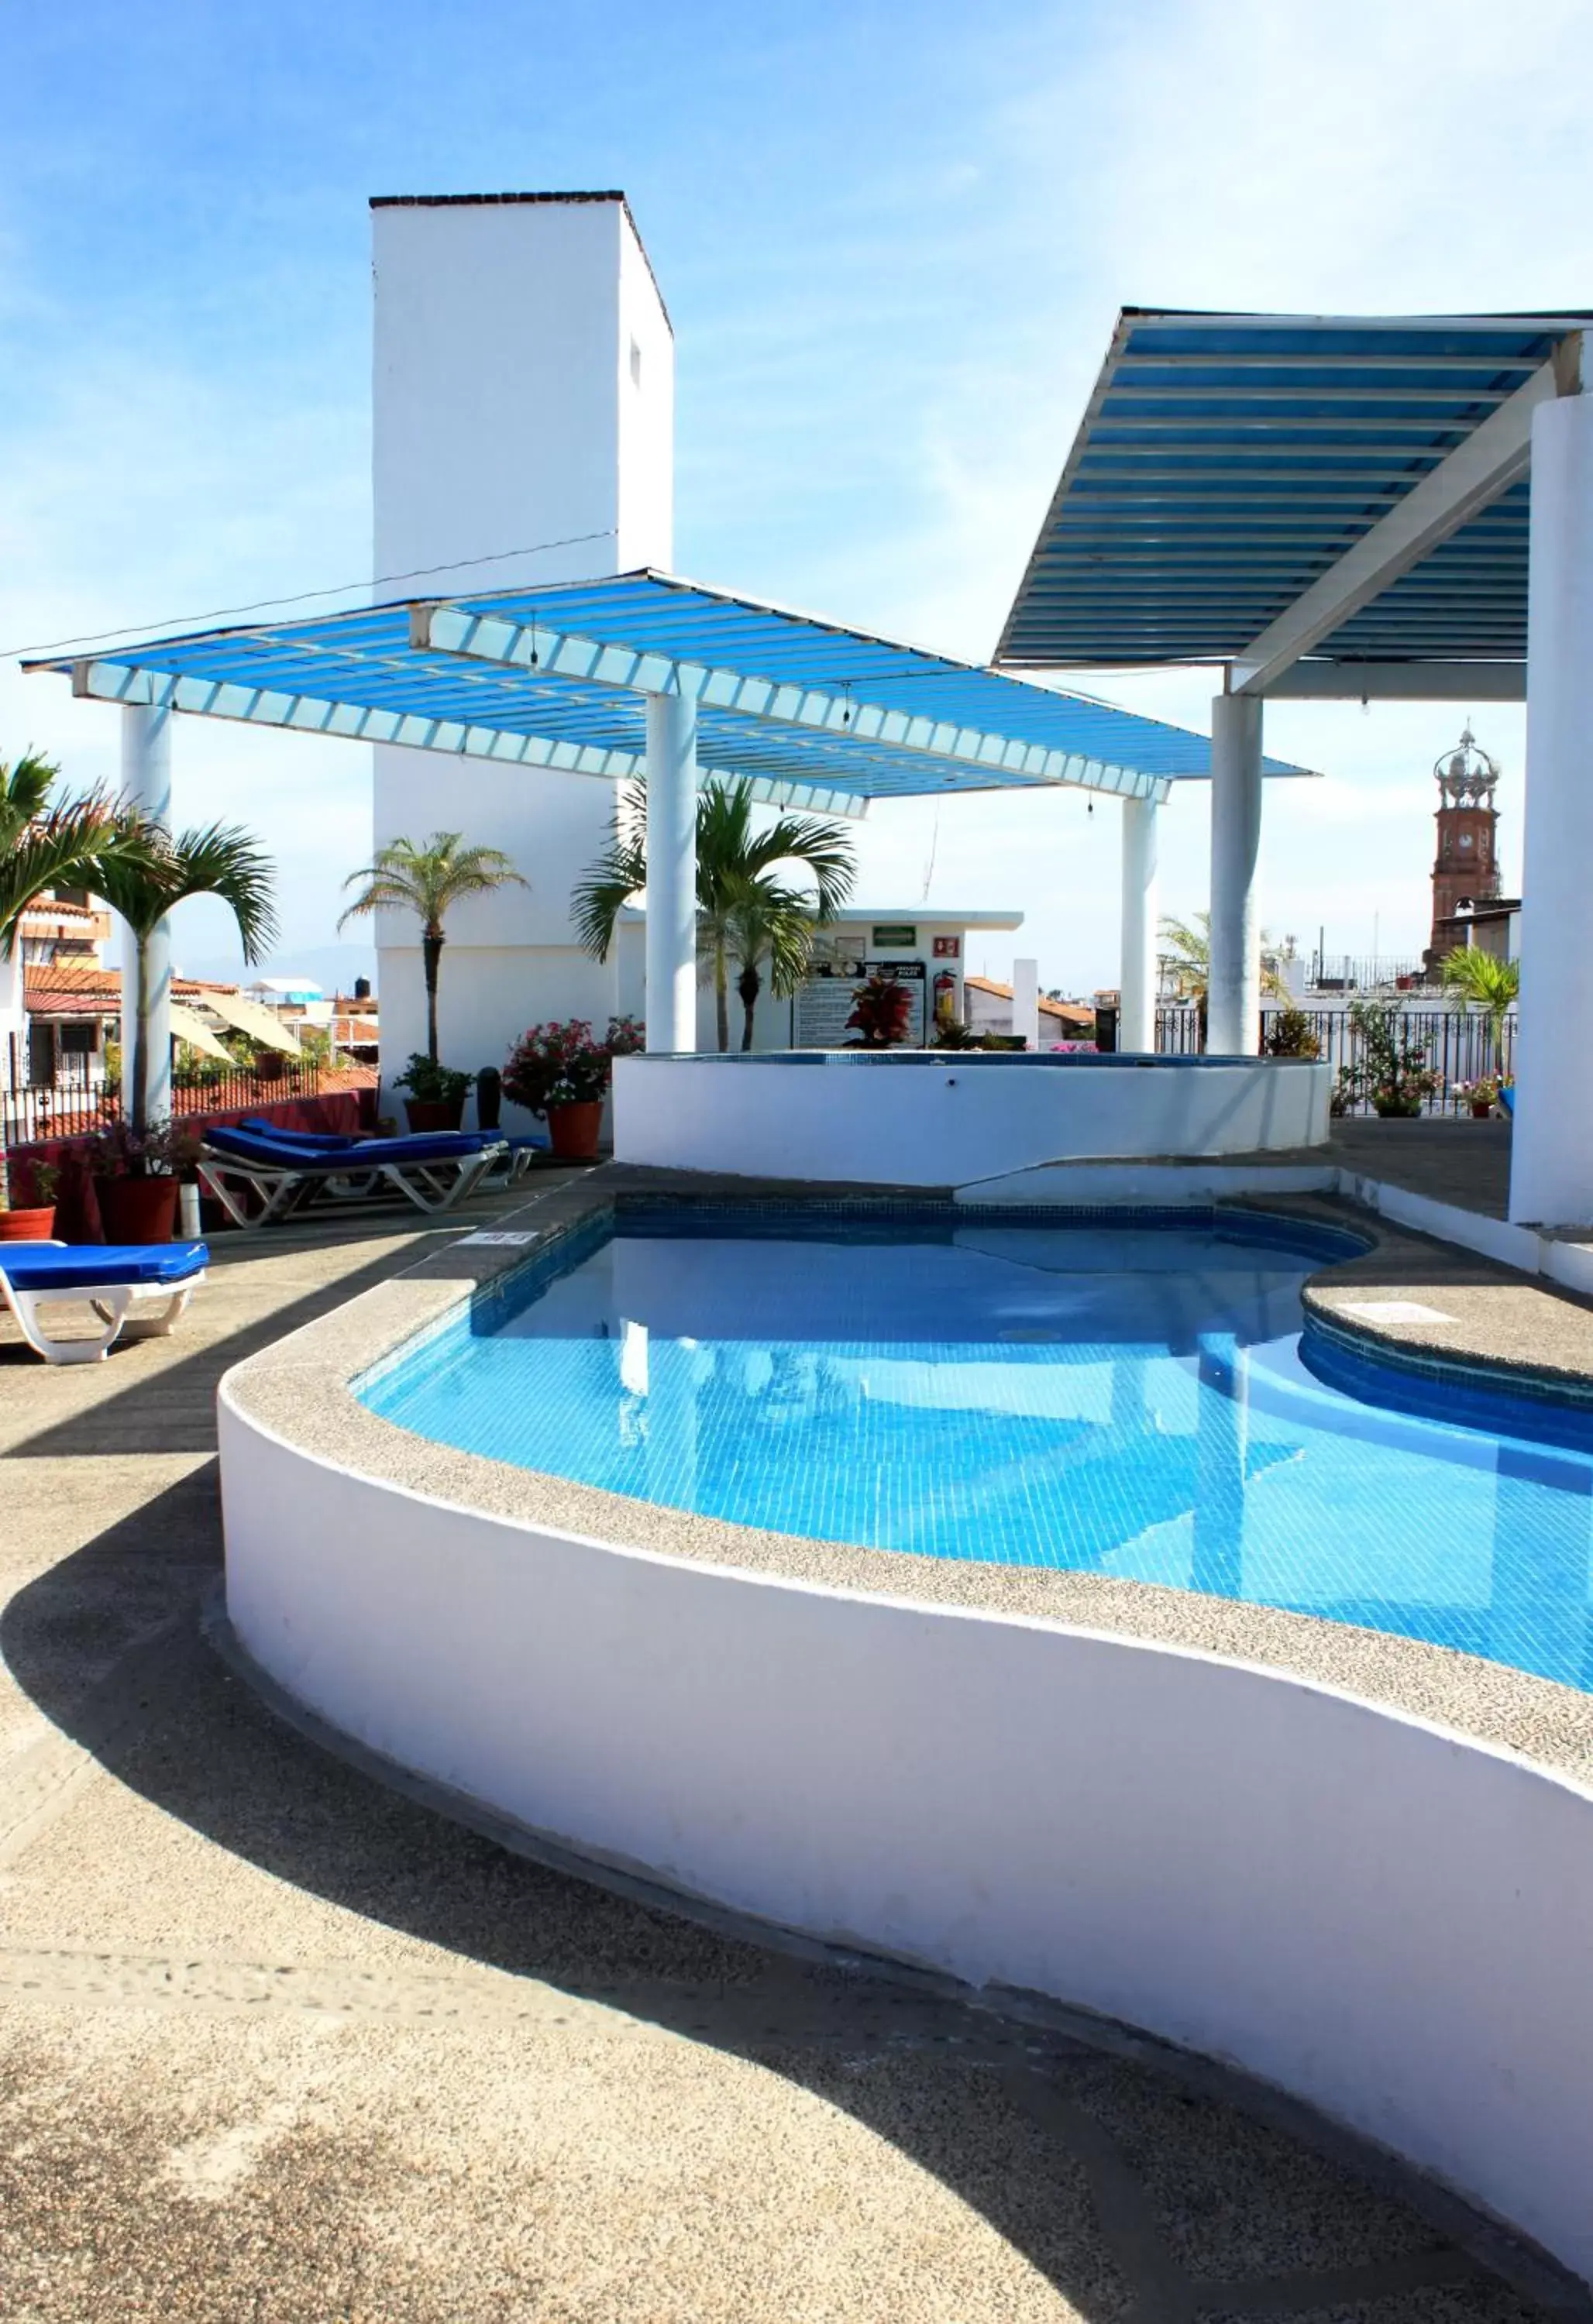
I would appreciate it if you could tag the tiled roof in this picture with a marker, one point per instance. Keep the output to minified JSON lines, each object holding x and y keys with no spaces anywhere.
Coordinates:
{"x":75,"y":989}
{"x":1069,"y":1012}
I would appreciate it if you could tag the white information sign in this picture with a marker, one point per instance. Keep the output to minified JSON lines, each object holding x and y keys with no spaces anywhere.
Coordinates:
{"x":824,"y":1002}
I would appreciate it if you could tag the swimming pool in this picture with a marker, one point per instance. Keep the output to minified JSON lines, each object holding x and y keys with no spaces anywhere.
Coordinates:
{"x":1124,"y":1399}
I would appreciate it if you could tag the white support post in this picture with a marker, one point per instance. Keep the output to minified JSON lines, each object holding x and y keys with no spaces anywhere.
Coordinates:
{"x":1026,"y":1002}
{"x":671,"y":872}
{"x":1136,"y":975}
{"x":1551,"y":1161}
{"x":146,"y":784}
{"x":1234,"y":1000}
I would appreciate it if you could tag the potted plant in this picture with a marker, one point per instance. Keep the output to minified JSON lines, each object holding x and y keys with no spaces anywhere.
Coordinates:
{"x":1291,"y":1034}
{"x":1481,"y":1095}
{"x":1392,"y":1070}
{"x":436,"y":1099}
{"x":33,"y":1218}
{"x":882,"y":1010}
{"x":562,"y":1072}
{"x":135,"y":1176}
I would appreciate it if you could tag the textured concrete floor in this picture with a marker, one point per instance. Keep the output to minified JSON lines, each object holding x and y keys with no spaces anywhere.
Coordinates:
{"x":276,"y":2045}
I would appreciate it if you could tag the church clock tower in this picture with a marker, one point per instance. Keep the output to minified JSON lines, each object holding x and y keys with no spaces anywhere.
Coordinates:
{"x":1466,"y":868}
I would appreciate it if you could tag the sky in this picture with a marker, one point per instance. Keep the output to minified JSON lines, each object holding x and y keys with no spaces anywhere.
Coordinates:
{"x":892,"y":238}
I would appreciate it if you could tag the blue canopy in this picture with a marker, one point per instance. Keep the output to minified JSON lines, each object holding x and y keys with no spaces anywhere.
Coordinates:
{"x":1227,"y":463}
{"x":808,"y":711}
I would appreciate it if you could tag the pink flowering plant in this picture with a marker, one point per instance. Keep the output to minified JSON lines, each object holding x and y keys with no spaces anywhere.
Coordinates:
{"x":565,"y":1064}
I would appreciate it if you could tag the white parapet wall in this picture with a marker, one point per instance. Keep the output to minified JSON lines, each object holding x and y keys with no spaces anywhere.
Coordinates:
{"x":954,"y":1118}
{"x":1388,"y":1921}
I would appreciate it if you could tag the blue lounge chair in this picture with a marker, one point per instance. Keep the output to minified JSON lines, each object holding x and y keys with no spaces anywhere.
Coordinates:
{"x":107,"y":1276}
{"x":280,"y":1174}
{"x":523,"y":1145}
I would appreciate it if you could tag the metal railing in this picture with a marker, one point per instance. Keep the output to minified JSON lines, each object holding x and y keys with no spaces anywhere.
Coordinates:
{"x":77,"y":1103}
{"x":1458,"y":1048}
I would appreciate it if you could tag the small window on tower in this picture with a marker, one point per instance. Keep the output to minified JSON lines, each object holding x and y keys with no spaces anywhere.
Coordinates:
{"x":635,"y":363}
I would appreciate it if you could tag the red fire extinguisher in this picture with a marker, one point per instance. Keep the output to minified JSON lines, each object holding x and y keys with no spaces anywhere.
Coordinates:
{"x":945,"y":997}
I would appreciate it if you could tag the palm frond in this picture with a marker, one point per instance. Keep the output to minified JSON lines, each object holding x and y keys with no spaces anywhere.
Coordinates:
{"x":217,"y":860}
{"x":74,"y":844}
{"x":428,"y":880}
{"x":25,"y":791}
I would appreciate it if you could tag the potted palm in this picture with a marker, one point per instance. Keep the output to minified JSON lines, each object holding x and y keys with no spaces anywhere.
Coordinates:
{"x":562,"y":1072}
{"x":436,"y":1093}
{"x":135,"y":1174}
{"x":1475,"y":978}
{"x":133,"y":1162}
{"x":429,"y":882}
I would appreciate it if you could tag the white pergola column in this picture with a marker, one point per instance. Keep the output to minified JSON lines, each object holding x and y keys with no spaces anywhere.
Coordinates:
{"x":1026,"y":1002}
{"x":146,"y":784}
{"x":1552,"y":1160}
{"x":1136,"y":975}
{"x":1234,"y":1000}
{"x":671,"y":872}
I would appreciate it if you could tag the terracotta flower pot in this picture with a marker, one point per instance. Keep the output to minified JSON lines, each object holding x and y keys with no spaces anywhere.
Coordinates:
{"x":137,"y":1210}
{"x":27,"y":1226}
{"x":1479,"y":1112}
{"x":434,"y":1112}
{"x":572,"y":1129}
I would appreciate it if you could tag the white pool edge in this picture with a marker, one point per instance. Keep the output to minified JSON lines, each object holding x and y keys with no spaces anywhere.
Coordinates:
{"x":1387,"y":1920}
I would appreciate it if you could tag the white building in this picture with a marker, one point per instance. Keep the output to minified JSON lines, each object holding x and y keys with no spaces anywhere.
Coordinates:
{"x":523,"y":432}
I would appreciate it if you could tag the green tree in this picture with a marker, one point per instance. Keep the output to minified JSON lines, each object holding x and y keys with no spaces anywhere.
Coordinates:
{"x":1473,"y":978}
{"x":146,"y":887}
{"x":742,"y":912}
{"x":429,"y":882}
{"x":1189,"y":950}
{"x":45,"y":845}
{"x":770,"y":926}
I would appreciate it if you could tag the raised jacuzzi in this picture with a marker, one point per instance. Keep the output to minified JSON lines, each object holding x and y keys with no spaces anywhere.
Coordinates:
{"x":944,"y":1117}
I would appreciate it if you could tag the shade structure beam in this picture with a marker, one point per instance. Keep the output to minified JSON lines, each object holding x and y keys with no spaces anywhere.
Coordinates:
{"x":146,"y":970}
{"x":672,"y":873}
{"x":1234,"y":974}
{"x":495,"y":638}
{"x":1494,"y":457}
{"x":1137,"y":1016}
{"x":130,"y":685}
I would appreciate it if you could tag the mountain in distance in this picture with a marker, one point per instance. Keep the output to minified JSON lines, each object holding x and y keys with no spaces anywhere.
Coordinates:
{"x":333,"y":967}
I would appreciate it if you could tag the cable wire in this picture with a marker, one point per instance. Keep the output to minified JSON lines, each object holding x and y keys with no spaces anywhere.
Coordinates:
{"x":334,"y":589}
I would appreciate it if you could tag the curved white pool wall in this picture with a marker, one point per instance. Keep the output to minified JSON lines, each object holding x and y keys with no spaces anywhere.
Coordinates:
{"x":952,"y":1118}
{"x":1389,"y":1922}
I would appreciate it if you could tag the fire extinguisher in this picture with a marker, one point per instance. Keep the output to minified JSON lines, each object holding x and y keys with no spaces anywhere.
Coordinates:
{"x":945,"y":997}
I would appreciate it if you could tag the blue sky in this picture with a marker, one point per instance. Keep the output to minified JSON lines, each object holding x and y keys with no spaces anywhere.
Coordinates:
{"x":892,"y":239}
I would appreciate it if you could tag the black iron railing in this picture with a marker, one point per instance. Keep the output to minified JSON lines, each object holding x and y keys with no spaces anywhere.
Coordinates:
{"x":1458,"y":1048}
{"x":77,"y":1101}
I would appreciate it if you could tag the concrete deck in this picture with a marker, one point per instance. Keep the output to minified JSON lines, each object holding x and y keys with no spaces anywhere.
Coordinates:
{"x":278,"y":2044}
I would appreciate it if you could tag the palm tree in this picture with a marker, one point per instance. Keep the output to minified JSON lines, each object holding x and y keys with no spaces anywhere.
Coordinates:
{"x":429,"y":882}
{"x":46,"y":846}
{"x":734,"y":865}
{"x":1474,"y":978}
{"x":1188,"y":944}
{"x":773,"y":925}
{"x":221,"y":860}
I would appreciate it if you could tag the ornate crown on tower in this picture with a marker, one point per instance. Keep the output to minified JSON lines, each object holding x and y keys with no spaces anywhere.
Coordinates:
{"x":1466,"y":775}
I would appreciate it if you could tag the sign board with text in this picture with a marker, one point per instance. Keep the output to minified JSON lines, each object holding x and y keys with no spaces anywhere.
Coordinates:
{"x":823,"y":1002}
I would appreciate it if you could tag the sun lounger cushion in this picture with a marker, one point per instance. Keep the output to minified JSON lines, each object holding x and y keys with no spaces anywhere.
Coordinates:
{"x":364,"y":1153}
{"x":65,"y":1266}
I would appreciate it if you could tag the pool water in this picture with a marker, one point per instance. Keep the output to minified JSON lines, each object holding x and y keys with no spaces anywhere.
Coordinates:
{"x":1123,"y":1399}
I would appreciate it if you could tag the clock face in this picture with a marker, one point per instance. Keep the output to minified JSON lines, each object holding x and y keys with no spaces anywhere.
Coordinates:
{"x":1466,"y":839}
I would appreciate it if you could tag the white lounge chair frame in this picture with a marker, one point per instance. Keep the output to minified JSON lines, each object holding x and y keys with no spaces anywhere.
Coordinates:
{"x":111,"y":1302}
{"x":281,"y":1188}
